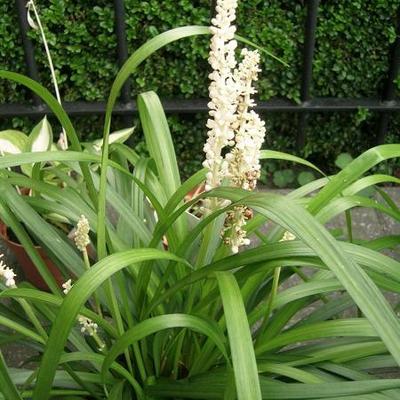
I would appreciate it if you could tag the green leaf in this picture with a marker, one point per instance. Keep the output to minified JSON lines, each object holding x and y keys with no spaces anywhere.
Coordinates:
{"x":12,"y":142}
{"x":41,"y":137}
{"x":277,"y":155}
{"x":117,"y":391}
{"x":241,"y":344}
{"x":341,"y":204}
{"x":9,"y":218}
{"x":43,"y":231}
{"x":159,"y":141}
{"x":294,"y":218}
{"x":368,"y":181}
{"x":349,"y":327}
{"x":6,"y":385}
{"x":61,"y":115}
{"x":351,"y":173}
{"x":161,"y":322}
{"x":115,"y":137}
{"x":13,"y":160}
{"x":211,"y":386}
{"x":35,"y":295}
{"x":127,"y":69}
{"x":161,"y":148}
{"x":364,"y":292}
{"x":21,"y":329}
{"x":262,"y":49}
{"x":76,"y":298}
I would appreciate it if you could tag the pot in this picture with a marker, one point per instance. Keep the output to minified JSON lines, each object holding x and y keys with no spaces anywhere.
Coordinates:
{"x":29,"y":269}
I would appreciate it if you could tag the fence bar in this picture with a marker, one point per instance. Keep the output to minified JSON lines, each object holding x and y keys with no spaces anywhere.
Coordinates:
{"x":122,"y":46}
{"x":389,"y":91}
{"x":29,"y":51}
{"x":212,"y":8}
{"x":308,"y":55}
{"x":200,"y":106}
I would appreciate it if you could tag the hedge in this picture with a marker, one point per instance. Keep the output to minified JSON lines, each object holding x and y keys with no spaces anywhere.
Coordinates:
{"x":351,"y":60}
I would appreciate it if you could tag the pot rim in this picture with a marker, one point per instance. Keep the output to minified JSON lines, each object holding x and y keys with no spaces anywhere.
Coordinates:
{"x":6,"y":238}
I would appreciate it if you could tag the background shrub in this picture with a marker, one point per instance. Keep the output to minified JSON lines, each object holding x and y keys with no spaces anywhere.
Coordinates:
{"x":351,"y":60}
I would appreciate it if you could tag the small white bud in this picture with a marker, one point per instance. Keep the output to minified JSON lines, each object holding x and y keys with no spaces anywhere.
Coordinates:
{"x":82,"y":233}
{"x":87,"y":325}
{"x":288,"y":236}
{"x":7,"y":273}
{"x":67,"y":286}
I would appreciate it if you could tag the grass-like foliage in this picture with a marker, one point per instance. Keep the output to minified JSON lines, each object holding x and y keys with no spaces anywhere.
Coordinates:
{"x":177,"y":315}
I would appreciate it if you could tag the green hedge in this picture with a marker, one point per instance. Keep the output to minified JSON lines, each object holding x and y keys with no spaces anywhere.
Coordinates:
{"x":351,"y":60}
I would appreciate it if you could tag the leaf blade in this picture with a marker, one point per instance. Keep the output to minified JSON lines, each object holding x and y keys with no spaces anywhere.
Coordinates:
{"x":243,"y":356}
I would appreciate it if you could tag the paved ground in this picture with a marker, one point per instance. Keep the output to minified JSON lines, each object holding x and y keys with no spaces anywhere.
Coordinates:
{"x":367,"y":224}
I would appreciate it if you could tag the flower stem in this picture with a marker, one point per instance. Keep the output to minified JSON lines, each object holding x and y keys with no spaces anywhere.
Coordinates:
{"x":87,"y":266}
{"x":31,"y":4}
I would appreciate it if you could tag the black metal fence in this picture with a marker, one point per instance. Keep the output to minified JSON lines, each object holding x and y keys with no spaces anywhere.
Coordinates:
{"x":386,"y":104}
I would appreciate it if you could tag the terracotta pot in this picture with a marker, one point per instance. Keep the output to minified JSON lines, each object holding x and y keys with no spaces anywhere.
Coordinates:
{"x":28,"y":267}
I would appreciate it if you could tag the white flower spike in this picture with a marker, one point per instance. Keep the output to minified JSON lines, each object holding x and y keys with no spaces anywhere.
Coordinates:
{"x":7,"y":273}
{"x":223,"y":92}
{"x":232,"y":124}
{"x":82,"y":233}
{"x":87,"y":326}
{"x":244,"y":159}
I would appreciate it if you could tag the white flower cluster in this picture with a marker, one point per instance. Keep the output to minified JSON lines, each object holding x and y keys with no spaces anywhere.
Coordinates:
{"x":81,"y":236}
{"x":233,"y":124}
{"x":67,"y":286}
{"x":244,"y":158}
{"x":7,"y":273}
{"x":287,"y":236}
{"x":233,"y":233}
{"x":87,"y":326}
{"x":223,"y":92}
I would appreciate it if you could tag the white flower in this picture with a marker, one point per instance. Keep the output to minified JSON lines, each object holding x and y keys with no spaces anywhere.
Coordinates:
{"x":232,"y":123}
{"x":81,"y":236}
{"x":87,"y":325}
{"x":243,"y":160}
{"x":7,"y":273}
{"x":222,"y":91}
{"x":67,"y":286}
{"x":233,"y":232}
{"x":63,"y":141}
{"x":288,"y":236}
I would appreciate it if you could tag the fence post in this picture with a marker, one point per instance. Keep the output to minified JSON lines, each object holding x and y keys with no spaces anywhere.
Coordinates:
{"x":122,"y":46}
{"x":389,"y":91}
{"x":29,"y":50}
{"x":308,"y":55}
{"x":212,"y":8}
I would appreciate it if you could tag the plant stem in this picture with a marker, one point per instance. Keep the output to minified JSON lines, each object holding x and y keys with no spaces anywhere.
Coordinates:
{"x":51,"y":66}
{"x":99,"y":341}
{"x":87,"y":266}
{"x":349,"y":225}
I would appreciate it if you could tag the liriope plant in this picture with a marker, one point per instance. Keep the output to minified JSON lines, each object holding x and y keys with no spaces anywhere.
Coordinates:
{"x":173,"y":298}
